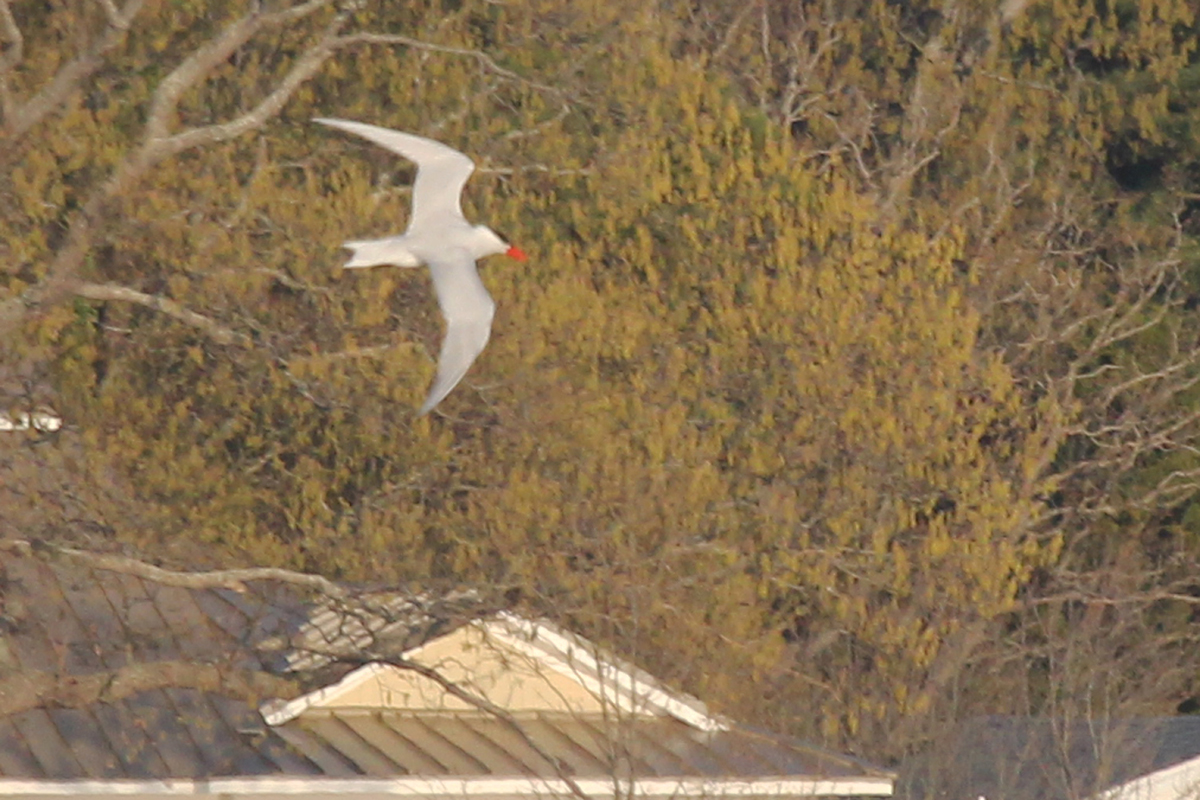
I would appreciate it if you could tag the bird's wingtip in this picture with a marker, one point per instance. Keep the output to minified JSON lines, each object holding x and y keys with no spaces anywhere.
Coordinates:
{"x":435,"y":396}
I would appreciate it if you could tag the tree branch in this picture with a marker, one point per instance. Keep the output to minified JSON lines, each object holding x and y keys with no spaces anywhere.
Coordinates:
{"x":110,"y":291}
{"x":68,"y":78}
{"x":196,"y":67}
{"x":157,"y":146}
{"x":10,"y":57}
{"x":216,"y":579}
{"x":483,"y":58}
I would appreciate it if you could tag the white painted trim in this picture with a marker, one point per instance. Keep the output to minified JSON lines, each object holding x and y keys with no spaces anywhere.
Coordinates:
{"x":1177,"y":782}
{"x":274,"y":714}
{"x":629,"y":686}
{"x":460,"y":787}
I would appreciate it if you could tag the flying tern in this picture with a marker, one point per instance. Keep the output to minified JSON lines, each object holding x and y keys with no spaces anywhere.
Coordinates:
{"x":439,"y":237}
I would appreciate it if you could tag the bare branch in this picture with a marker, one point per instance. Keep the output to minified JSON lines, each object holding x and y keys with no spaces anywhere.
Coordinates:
{"x":158,"y":143}
{"x":287,"y":280}
{"x":484,"y":60}
{"x":10,"y":57}
{"x":308,"y":65}
{"x":373,"y":351}
{"x":21,"y":120}
{"x":154,"y":149}
{"x":196,"y":67}
{"x":23,"y":690}
{"x":549,"y":170}
{"x":110,"y":291}
{"x":216,"y":579}
{"x":12,"y":37}
{"x":1096,"y":598}
{"x":113,"y":14}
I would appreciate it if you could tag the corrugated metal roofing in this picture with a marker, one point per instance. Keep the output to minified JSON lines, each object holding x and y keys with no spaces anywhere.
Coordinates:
{"x":66,"y":621}
{"x":166,"y":733}
{"x":60,"y":617}
{"x":383,"y":743}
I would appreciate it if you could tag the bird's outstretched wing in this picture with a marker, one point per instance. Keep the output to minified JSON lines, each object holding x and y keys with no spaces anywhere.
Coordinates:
{"x":468,"y":309}
{"x":441,"y":171}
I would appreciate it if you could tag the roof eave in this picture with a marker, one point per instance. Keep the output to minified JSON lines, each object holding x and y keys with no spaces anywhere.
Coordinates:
{"x":482,"y":788}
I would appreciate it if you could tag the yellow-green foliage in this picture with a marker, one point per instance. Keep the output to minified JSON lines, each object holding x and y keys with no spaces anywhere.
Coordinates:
{"x":734,"y":394}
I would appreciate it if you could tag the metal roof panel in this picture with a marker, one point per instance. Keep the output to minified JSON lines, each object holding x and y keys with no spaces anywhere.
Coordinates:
{"x":99,"y":625}
{"x":500,"y":734}
{"x":16,"y":759}
{"x":569,"y":739}
{"x":424,"y":732}
{"x":74,"y":652}
{"x":405,"y":755}
{"x":42,"y":737}
{"x":191,"y":628}
{"x":24,"y":591}
{"x":494,"y":758}
{"x":219,"y":747}
{"x":331,"y":763}
{"x":579,"y":745}
{"x":226,"y":616}
{"x":154,"y":712}
{"x":262,"y":751}
{"x":654,"y":758}
{"x":365,"y":757}
{"x":87,"y":742}
{"x":148,"y":636}
{"x":130,"y":741}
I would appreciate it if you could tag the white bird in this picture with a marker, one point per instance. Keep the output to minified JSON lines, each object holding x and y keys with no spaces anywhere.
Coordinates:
{"x":440,"y":237}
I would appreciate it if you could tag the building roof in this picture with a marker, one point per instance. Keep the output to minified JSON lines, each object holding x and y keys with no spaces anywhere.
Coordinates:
{"x":1000,"y":757}
{"x":105,"y":674}
{"x":376,"y":743}
{"x":112,"y":683}
{"x":511,"y":663}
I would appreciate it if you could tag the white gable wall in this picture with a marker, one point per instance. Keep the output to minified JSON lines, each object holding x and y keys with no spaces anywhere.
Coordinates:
{"x":515,"y":664}
{"x":467,"y":658}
